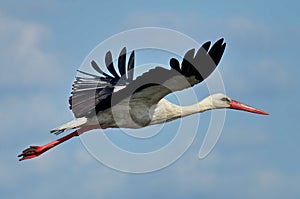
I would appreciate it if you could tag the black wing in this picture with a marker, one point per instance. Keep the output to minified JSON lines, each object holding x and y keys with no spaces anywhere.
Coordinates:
{"x":97,"y":93}
{"x":94,"y":91}
{"x":148,"y":89}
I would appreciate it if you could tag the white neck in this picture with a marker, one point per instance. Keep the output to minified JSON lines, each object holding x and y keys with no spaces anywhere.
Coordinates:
{"x":167,"y":111}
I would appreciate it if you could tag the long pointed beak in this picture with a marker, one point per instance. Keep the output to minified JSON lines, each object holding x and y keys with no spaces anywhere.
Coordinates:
{"x":243,"y":107}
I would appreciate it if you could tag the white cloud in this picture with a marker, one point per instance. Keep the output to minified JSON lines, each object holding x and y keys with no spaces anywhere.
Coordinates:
{"x":261,"y":75}
{"x":234,"y":175}
{"x":246,"y":28}
{"x":23,"y":116}
{"x":273,"y":183}
{"x":23,"y":59}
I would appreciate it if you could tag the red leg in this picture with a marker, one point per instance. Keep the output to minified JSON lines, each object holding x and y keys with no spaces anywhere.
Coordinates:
{"x":35,"y":151}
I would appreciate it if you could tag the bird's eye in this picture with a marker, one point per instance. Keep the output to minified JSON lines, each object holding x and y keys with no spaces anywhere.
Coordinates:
{"x":224,"y":99}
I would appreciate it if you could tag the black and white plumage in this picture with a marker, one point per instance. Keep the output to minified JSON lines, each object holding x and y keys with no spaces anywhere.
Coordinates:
{"x":94,"y":94}
{"x":117,"y":100}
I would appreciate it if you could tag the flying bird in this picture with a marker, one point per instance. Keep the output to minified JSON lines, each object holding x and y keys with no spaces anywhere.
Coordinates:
{"x":118,"y":100}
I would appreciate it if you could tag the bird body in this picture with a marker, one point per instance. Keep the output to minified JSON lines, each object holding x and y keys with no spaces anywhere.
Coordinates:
{"x":117,"y":100}
{"x":162,"y":112}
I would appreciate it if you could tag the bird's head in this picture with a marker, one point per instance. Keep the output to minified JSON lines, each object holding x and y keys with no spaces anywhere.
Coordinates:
{"x":219,"y":100}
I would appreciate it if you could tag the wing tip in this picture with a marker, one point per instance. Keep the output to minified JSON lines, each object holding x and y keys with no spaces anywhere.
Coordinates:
{"x":222,"y":42}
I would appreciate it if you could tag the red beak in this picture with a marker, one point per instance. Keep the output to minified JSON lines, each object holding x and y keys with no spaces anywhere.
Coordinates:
{"x":243,"y":107}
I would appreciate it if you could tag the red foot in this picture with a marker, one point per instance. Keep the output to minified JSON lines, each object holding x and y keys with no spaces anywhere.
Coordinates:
{"x":35,"y":151}
{"x":32,"y":152}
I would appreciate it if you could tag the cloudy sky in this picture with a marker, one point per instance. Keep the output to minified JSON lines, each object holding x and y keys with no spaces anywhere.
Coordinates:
{"x":44,"y":42}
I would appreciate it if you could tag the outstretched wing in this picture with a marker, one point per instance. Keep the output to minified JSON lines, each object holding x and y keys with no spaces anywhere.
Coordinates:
{"x":96,"y":90}
{"x":97,"y":93}
{"x":148,"y":89}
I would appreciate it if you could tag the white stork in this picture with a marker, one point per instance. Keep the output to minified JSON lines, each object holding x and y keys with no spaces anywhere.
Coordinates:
{"x":117,"y":100}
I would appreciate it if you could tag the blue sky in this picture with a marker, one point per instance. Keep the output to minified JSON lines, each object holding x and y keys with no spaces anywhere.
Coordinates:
{"x":44,"y":42}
